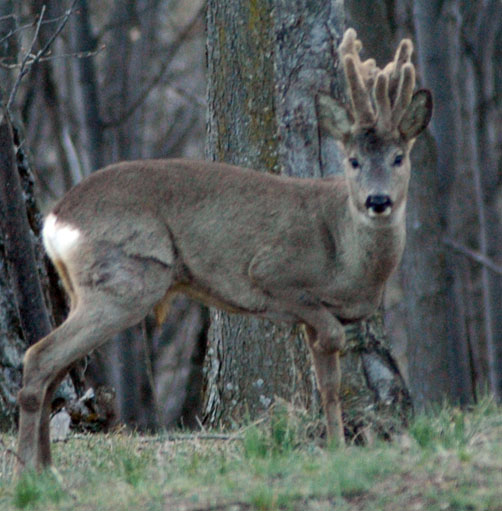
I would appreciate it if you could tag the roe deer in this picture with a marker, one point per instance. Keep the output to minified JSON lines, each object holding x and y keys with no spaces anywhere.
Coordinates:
{"x":310,"y":251}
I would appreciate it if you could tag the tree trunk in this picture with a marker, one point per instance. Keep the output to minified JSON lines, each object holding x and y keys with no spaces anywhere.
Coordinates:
{"x":438,"y":31}
{"x":25,"y":315}
{"x":267,"y":60}
{"x":18,"y":244}
{"x":483,"y":128}
{"x":249,"y":361}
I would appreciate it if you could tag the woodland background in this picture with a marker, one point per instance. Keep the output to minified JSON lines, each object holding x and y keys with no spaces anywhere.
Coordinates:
{"x":236,"y":81}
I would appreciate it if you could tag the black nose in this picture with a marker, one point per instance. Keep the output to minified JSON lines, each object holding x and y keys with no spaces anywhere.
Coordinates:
{"x":378,"y":203}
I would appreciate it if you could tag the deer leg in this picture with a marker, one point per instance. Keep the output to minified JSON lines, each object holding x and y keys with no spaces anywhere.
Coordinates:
{"x":45,"y":363}
{"x":122,"y":292}
{"x":96,"y":318}
{"x":328,"y":375}
{"x":280,"y":278}
{"x":325,"y":338}
{"x":44,"y":440}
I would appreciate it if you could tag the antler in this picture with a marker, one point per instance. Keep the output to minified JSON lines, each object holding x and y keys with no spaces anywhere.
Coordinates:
{"x":379,"y":97}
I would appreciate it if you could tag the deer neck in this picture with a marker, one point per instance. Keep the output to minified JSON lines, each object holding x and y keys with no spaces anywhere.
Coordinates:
{"x":372,"y":247}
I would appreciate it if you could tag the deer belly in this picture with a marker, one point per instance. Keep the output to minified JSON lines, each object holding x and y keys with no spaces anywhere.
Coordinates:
{"x":353,"y":307}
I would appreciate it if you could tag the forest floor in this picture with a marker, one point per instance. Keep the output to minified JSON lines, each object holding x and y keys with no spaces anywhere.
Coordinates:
{"x":449,"y":460}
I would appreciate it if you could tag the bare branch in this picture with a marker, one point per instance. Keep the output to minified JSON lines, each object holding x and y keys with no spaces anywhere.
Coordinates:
{"x":29,"y":59}
{"x":8,"y":17}
{"x":77,"y":55}
{"x":51,"y":39}
{"x":474,"y":255}
{"x":26,"y":26}
{"x":24,"y":69}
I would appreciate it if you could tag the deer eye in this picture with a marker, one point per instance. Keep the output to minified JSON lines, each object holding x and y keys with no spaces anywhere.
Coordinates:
{"x":354,"y":163}
{"x":398,"y":160}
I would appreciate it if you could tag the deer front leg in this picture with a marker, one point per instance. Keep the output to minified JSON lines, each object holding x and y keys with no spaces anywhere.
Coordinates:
{"x":326,"y":358}
{"x":286,"y":281}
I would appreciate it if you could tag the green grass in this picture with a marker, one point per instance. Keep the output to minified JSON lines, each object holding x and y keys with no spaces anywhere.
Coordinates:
{"x":449,"y":460}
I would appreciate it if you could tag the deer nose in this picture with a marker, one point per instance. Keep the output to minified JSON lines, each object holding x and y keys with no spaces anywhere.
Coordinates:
{"x":379,"y":204}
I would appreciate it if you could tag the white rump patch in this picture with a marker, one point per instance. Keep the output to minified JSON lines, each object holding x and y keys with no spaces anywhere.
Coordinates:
{"x":59,"y":238}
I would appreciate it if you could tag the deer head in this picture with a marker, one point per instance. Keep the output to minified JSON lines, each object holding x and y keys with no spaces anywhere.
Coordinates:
{"x":377,"y":129}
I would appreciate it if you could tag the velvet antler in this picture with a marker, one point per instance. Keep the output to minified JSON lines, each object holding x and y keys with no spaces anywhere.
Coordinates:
{"x":379,"y":98}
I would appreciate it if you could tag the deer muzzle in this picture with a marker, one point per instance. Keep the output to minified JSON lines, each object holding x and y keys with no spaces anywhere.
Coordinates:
{"x":379,"y":205}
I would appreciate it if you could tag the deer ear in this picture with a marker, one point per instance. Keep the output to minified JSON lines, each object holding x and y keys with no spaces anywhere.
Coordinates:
{"x":334,"y":117}
{"x":417,"y":115}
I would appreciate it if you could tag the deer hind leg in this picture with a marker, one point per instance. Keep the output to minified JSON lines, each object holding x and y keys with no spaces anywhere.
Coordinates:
{"x":98,"y":315}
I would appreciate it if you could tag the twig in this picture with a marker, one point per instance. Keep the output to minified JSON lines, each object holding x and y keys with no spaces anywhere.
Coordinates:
{"x":58,"y":30}
{"x":474,"y":255}
{"x":24,"y":69}
{"x":35,"y":58}
{"x":193,"y":98}
{"x":8,"y":16}
{"x":199,"y":423}
{"x":24,"y":27}
{"x":77,"y":55}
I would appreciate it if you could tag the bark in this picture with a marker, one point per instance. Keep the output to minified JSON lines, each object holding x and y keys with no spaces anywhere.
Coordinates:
{"x":266,"y":62}
{"x":25,"y":316}
{"x":12,"y":344}
{"x":424,"y":277}
{"x":121,"y":362}
{"x":376,"y":22}
{"x":488,"y":281}
{"x":118,"y":85}
{"x":27,"y":299}
{"x":18,"y":244}
{"x":12,"y":347}
{"x":178,"y":363}
{"x":249,"y":361}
